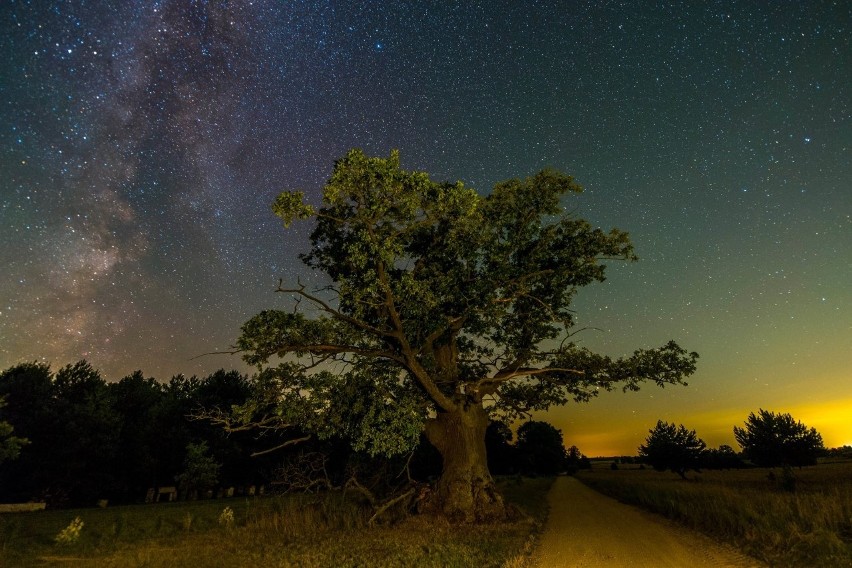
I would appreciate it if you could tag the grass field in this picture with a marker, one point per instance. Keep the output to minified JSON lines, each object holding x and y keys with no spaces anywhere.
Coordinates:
{"x":801,"y":521}
{"x":287,"y":530}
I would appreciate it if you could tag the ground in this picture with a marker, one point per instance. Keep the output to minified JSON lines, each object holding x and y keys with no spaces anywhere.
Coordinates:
{"x":589,"y":530}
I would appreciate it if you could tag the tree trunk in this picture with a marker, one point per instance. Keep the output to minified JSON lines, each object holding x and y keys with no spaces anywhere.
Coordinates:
{"x":466,"y":492}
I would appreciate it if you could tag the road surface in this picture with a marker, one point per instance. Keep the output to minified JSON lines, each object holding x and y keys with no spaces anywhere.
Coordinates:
{"x":586,"y":529}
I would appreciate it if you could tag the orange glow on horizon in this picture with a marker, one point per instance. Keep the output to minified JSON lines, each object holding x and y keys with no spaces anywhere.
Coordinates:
{"x":831,"y":419}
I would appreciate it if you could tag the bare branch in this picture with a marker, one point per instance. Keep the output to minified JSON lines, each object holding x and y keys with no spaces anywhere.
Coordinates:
{"x":280,"y":446}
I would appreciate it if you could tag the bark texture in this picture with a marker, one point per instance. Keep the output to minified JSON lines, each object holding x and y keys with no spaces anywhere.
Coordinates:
{"x":465,"y":492}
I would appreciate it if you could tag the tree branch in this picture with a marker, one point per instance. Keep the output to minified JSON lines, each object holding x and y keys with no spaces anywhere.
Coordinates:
{"x":336,"y":314}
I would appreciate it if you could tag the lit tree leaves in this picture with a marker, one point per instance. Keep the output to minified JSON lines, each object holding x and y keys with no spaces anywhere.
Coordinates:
{"x":441,"y":298}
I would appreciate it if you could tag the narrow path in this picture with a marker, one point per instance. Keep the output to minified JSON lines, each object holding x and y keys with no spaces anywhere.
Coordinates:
{"x":589,"y":530}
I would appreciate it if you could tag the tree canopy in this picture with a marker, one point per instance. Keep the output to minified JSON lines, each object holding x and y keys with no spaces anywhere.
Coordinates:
{"x":771,"y":439}
{"x":540,"y":448}
{"x":672,"y":447}
{"x":442,"y":306}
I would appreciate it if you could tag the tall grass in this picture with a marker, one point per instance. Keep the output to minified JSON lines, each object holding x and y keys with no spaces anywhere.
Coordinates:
{"x":285,"y":530}
{"x":806,"y":521}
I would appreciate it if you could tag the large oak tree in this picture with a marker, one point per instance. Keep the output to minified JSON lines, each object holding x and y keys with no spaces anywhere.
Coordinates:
{"x":442,"y":306}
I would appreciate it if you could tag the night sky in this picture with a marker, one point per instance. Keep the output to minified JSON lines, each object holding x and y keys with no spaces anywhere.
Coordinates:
{"x":143,"y":143}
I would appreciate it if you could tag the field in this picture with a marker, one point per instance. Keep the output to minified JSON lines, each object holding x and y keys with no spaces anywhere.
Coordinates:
{"x":795,"y":518}
{"x":286,"y":530}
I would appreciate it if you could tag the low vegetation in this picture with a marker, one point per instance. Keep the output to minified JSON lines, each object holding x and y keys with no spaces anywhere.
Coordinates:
{"x":285,"y":530}
{"x":786,"y":517}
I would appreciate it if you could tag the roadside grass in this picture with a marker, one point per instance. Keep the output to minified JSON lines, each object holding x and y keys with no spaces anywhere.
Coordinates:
{"x":281,"y":530}
{"x":805,"y":520}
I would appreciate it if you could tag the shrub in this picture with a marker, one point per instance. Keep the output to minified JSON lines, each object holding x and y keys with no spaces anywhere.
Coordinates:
{"x":71,"y":533}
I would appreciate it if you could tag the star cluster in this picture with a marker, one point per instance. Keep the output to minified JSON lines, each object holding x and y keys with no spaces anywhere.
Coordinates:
{"x":143,"y":142}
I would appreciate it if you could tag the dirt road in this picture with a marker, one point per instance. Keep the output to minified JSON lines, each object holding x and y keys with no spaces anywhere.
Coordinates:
{"x":589,"y":530}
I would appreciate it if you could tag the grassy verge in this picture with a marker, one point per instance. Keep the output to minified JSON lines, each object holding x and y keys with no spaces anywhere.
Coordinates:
{"x":288,"y":530}
{"x":806,"y":521}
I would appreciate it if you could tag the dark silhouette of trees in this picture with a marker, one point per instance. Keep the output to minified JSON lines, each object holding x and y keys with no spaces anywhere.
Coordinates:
{"x":502,"y":454}
{"x":771,"y":439}
{"x":575,"y":460}
{"x":843,"y":452}
{"x":672,"y":447}
{"x":138,"y":463}
{"x":95,"y":440}
{"x":86,"y":441}
{"x":72,"y":430}
{"x":540,"y":448}
{"x":92,"y":440}
{"x":28,"y":391}
{"x":723,"y":457}
{"x":440,"y":300}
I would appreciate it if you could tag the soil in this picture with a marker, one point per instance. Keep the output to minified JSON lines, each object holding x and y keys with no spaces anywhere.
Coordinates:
{"x":590,"y":530}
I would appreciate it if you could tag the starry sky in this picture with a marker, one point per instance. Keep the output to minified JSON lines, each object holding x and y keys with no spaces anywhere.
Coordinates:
{"x":142,"y":143}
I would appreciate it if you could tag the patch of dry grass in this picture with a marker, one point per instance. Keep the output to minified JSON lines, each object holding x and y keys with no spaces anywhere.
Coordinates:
{"x":806,"y":522}
{"x":288,"y":530}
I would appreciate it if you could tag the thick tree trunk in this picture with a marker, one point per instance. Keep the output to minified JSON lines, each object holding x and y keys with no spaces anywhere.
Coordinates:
{"x":465,"y":491}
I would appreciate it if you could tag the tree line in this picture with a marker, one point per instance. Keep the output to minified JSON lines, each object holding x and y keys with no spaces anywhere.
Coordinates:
{"x":767,"y":439}
{"x":82,"y":439}
{"x":71,"y":438}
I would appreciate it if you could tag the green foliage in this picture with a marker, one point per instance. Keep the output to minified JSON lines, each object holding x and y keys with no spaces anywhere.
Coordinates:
{"x":200,"y":470}
{"x":441,"y":298}
{"x":375,"y":412}
{"x":10,"y":446}
{"x":771,"y":439}
{"x":672,"y":447}
{"x":70,"y":534}
{"x":290,"y":206}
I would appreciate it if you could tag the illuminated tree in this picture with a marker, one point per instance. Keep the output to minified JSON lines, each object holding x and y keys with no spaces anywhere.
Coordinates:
{"x":444,"y":306}
{"x":10,"y":446}
{"x":672,"y":447}
{"x":200,"y":470}
{"x":771,"y":439}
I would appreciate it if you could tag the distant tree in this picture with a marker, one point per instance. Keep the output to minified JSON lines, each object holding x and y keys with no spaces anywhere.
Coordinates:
{"x":723,"y":457}
{"x":201,"y":472}
{"x":540,"y":448}
{"x":457,"y":304}
{"x":840,"y":452}
{"x":672,"y":447}
{"x":10,"y":446}
{"x":575,"y":460}
{"x":771,"y":439}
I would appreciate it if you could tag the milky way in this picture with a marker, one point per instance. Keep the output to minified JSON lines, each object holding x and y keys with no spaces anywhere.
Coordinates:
{"x":143,"y":142}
